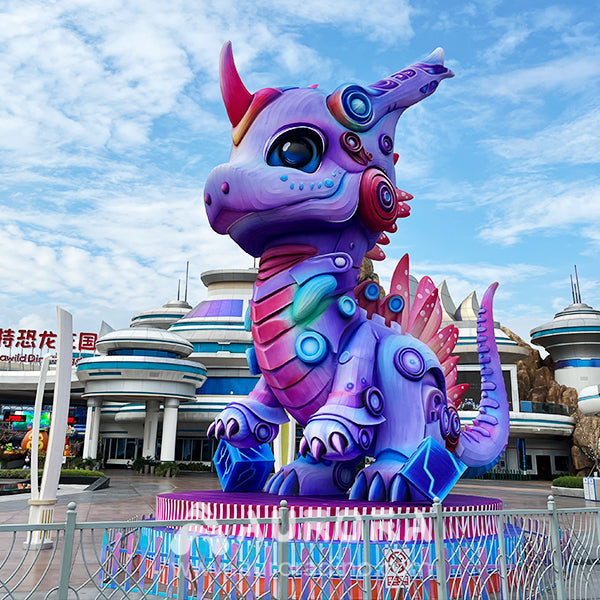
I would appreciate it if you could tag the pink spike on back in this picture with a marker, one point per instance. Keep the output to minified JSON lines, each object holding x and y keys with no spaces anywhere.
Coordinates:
{"x":446,"y":350}
{"x":450,"y":364}
{"x":435,"y":320}
{"x":451,"y":377}
{"x":424,"y":290}
{"x":383,"y":239}
{"x":437,"y":342}
{"x":420,"y":320}
{"x":455,"y":393}
{"x":400,"y":287}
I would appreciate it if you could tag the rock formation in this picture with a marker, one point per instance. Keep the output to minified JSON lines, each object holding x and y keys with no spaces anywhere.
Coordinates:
{"x":535,"y":377}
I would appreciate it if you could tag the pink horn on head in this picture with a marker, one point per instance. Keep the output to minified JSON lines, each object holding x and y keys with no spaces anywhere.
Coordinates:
{"x":236,"y":97}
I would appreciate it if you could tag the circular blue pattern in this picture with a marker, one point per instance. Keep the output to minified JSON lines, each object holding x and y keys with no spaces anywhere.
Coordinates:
{"x":347,"y":306}
{"x":396,"y":304}
{"x":357,"y":104}
{"x":328,"y":183}
{"x":410,"y":363}
{"x":311,"y":347}
{"x":372,"y":291}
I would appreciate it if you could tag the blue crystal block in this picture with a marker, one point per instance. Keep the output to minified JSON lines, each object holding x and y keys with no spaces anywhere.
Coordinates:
{"x":432,"y":470}
{"x":243,"y":469}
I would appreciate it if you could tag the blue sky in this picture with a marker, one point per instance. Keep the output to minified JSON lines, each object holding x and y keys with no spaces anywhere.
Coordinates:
{"x":111,"y":119}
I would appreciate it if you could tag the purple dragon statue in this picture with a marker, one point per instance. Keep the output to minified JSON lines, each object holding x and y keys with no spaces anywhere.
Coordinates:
{"x":310,"y":189}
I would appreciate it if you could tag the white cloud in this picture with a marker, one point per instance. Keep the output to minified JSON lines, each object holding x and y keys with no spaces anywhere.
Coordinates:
{"x":543,"y":206}
{"x":573,"y":142}
{"x":566,"y":74}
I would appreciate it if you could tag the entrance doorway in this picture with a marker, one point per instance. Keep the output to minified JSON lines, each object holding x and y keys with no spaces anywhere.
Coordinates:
{"x":544,"y":467}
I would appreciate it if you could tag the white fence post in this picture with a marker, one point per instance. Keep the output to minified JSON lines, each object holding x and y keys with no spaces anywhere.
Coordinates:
{"x":366,"y":535}
{"x":283,"y":550}
{"x":67,"y":551}
{"x":440,"y":549}
{"x":502,"y":558}
{"x":557,"y":566}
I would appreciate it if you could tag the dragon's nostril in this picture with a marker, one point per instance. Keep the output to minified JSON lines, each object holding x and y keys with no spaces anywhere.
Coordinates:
{"x":207,"y":199}
{"x":225,"y":187}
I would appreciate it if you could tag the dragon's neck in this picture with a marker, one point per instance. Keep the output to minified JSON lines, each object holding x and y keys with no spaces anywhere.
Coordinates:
{"x":295,"y":295}
{"x":278,"y":259}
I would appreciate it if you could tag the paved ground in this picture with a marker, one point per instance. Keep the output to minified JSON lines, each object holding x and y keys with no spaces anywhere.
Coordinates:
{"x":132,"y":495}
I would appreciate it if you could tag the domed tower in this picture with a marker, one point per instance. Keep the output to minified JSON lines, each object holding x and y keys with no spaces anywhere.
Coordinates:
{"x":163,"y":317}
{"x":572,"y":339}
{"x":140,"y":366}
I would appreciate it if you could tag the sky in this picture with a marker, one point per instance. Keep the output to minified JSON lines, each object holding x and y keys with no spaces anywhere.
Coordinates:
{"x":111,"y":119}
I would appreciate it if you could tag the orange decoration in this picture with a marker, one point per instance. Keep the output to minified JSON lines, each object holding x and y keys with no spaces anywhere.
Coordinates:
{"x":42,"y":442}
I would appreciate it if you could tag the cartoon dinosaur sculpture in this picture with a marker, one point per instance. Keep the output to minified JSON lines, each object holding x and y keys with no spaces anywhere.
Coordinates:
{"x":310,"y":188}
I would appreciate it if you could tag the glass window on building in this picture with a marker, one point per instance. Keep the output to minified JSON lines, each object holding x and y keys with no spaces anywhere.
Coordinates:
{"x":194,"y":449}
{"x":562,"y":464}
{"x":472,"y":397}
{"x":120,"y":448}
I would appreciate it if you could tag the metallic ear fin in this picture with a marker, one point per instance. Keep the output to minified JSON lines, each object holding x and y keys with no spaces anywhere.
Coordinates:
{"x":359,"y":108}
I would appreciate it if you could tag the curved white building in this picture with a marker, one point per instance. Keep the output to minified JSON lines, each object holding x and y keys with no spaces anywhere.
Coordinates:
{"x":140,"y":365}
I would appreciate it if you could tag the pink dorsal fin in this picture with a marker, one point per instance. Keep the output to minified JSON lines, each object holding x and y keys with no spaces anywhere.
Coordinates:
{"x":446,"y":350}
{"x":420,"y":320}
{"x":424,"y":290}
{"x":455,"y":393}
{"x":400,"y":287}
{"x":437,"y":342}
{"x":450,"y":377}
{"x":450,"y":364}
{"x":435,"y":320}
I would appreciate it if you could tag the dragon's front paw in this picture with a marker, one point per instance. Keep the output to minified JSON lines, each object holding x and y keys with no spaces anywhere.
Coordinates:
{"x":306,"y":477}
{"x":242,"y":428}
{"x":380,"y":482}
{"x":335,"y":438}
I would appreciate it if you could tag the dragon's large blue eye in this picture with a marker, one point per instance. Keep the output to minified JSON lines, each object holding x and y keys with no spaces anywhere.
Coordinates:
{"x":298,"y":148}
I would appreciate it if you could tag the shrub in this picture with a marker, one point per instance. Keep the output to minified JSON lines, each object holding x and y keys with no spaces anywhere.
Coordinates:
{"x":568,"y":481}
{"x":138,"y":464}
{"x":26,"y":473}
{"x":82,"y":473}
{"x":194,"y":466}
{"x":76,"y":462}
{"x":15,"y":473}
{"x":163,"y":467}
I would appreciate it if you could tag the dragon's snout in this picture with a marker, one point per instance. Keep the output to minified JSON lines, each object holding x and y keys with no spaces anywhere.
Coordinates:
{"x":219,"y":198}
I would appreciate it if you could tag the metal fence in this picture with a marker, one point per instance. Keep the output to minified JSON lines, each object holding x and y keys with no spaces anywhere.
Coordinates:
{"x":433,"y":555}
